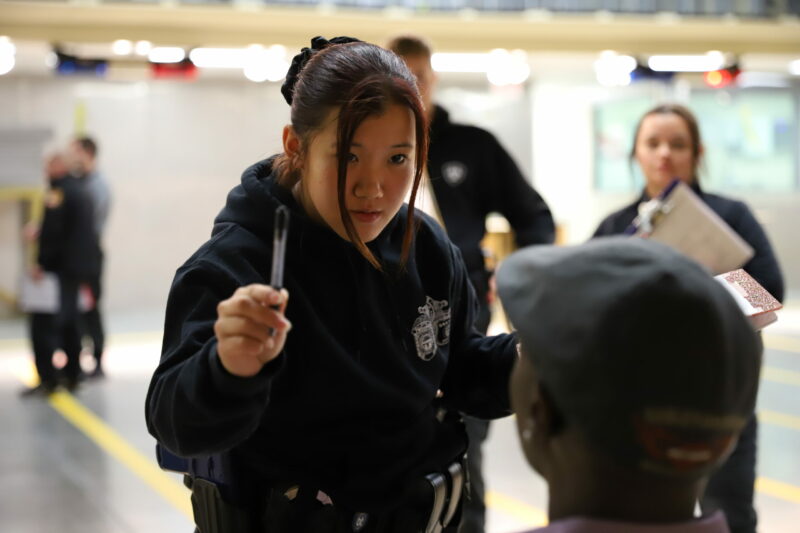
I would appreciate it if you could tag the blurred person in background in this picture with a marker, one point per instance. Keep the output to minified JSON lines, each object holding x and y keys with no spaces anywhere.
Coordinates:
{"x":68,"y":248}
{"x":469,"y":176}
{"x":667,"y":145}
{"x":628,"y":402}
{"x":83,"y":152}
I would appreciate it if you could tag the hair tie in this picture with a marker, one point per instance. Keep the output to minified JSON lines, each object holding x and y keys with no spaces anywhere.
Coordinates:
{"x":300,"y":60}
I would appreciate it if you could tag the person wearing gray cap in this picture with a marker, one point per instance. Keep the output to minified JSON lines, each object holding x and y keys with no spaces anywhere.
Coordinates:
{"x":637,"y":373}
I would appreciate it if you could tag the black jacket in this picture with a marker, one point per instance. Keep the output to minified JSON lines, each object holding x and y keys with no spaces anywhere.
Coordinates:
{"x":763,"y":266}
{"x":348,"y":406}
{"x":472,"y":176}
{"x":68,"y":244}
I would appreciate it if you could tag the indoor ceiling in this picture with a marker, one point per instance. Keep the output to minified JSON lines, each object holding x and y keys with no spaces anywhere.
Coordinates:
{"x":247,"y":23}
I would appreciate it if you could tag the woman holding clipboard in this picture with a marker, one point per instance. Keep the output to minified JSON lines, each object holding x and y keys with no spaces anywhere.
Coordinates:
{"x":667,"y":145}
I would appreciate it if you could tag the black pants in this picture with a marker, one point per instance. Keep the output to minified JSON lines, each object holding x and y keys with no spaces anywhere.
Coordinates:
{"x":473,"y":516}
{"x":61,"y":330}
{"x":93,"y":322}
{"x":731,"y":487}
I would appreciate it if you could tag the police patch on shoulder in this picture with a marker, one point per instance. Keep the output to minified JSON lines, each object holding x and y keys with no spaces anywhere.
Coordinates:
{"x":454,"y":172}
{"x":432,"y":327}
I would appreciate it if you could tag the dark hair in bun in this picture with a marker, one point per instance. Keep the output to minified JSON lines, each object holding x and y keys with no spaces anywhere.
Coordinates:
{"x":299,"y":62}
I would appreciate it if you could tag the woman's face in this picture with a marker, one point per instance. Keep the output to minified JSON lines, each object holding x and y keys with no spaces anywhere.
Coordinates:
{"x":380,"y":171}
{"x":664,"y":151}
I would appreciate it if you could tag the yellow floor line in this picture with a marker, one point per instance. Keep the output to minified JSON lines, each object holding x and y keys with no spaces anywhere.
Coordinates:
{"x":525,"y":513}
{"x":112,"y":443}
{"x":779,"y":419}
{"x":778,"y":489}
{"x":778,"y":342}
{"x":14,"y":345}
{"x":780,"y":375}
{"x":136,"y":337}
{"x":177,"y":495}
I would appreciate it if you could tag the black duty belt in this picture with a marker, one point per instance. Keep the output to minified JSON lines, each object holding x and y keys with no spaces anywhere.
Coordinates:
{"x":447,"y":491}
{"x":431,"y":505}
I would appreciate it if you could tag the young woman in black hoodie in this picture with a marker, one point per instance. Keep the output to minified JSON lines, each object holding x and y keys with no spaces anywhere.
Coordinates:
{"x":666,"y":146}
{"x":331,"y":426}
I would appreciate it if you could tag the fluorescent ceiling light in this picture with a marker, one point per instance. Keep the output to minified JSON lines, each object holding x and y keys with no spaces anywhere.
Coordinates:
{"x":685,"y":63}
{"x":500,"y":66}
{"x":268,"y":64}
{"x":166,"y":54}
{"x":7,"y":53}
{"x":508,"y":68}
{"x":258,"y":63}
{"x":614,"y":70}
{"x":122,"y":47}
{"x":219,"y":57}
{"x":143,"y":48}
{"x":446,"y":62}
{"x":7,"y":63}
{"x":794,"y":67}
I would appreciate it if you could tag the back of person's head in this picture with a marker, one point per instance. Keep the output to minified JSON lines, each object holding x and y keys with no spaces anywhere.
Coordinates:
{"x":55,"y":166}
{"x":87,"y":144}
{"x":635,"y":350}
{"x":82,"y":155}
{"x":358,"y":80}
{"x":409,"y":46}
{"x":417,"y":54}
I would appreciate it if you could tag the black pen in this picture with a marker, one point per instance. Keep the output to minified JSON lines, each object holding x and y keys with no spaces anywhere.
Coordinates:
{"x":279,"y":252}
{"x":279,"y":247}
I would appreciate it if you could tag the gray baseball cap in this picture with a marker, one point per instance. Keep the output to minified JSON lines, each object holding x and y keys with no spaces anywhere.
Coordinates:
{"x":639,"y":348}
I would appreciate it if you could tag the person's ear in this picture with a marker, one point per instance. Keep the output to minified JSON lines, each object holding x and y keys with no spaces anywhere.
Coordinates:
{"x":546,"y":414}
{"x":537,"y":419}
{"x":291,"y":145}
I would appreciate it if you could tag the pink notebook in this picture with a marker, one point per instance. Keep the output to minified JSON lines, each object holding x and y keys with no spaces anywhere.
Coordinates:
{"x":753,"y":299}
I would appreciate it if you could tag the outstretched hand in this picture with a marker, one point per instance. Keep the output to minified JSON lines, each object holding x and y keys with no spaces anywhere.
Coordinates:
{"x":251,"y":328}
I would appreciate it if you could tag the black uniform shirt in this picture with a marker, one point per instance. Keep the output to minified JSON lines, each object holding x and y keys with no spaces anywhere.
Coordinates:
{"x":68,"y":243}
{"x":472,"y":176}
{"x":348,"y":406}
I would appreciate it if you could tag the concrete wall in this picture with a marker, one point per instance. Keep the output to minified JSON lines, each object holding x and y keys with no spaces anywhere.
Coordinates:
{"x":172,"y":150}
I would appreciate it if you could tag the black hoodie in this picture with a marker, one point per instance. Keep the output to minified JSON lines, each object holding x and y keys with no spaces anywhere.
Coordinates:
{"x":68,"y":243}
{"x":348,"y":406}
{"x":472,"y":176}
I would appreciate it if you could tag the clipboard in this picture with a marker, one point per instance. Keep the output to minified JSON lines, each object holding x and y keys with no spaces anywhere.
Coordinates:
{"x":43,"y":295}
{"x":39,"y":296}
{"x":680,"y":219}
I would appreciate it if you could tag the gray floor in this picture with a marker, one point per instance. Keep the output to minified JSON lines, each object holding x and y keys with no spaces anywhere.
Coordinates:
{"x":83,"y":463}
